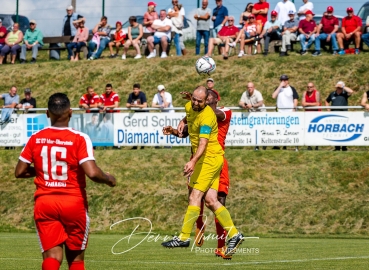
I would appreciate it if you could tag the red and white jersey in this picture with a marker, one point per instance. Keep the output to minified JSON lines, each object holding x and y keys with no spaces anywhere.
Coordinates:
{"x":223,"y":126}
{"x":57,"y":154}
{"x":89,"y":100}
{"x":109,"y":100}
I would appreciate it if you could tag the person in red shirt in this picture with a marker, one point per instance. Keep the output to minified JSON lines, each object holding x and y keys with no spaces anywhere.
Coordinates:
{"x":61,"y":157}
{"x":260,"y":11}
{"x":327,"y":30}
{"x":109,"y":100}
{"x":307,"y":29}
{"x":119,"y":39}
{"x":225,"y":36}
{"x":89,"y":100}
{"x":351,"y":30}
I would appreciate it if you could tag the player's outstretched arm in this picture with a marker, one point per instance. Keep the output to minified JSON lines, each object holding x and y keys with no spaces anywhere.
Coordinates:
{"x":169,"y":130}
{"x":97,"y":175}
{"x":24,"y":170}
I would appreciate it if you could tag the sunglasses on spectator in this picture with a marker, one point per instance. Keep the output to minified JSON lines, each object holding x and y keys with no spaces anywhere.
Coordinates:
{"x":284,"y":80}
{"x":230,"y":20}
{"x":310,"y":86}
{"x":31,"y":24}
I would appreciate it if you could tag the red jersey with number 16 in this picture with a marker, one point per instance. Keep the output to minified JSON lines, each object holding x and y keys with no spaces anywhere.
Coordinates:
{"x":223,"y":126}
{"x":57,"y":154}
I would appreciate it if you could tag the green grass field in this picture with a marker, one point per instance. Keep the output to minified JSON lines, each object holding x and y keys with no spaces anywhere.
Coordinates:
{"x":21,"y":251}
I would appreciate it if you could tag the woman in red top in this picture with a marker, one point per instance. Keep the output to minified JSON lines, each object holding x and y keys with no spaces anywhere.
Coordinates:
{"x":311,"y":97}
{"x":149,"y":17}
{"x":119,"y":38}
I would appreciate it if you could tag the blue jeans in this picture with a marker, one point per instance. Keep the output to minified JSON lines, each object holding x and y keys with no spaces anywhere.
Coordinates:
{"x":303,"y":39}
{"x":91,"y":47}
{"x":365,"y":38}
{"x":323,"y":36}
{"x":202,"y":34}
{"x":177,"y":44}
{"x":77,"y":45}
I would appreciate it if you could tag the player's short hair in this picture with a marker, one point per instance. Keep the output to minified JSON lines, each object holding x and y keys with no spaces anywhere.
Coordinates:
{"x":133,"y":19}
{"x":212,"y":93}
{"x":137,"y":85}
{"x":89,"y":87}
{"x":108,"y":85}
{"x":104,"y":18}
{"x":58,"y":103}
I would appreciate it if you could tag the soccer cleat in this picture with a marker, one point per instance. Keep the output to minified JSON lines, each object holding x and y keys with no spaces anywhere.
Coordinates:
{"x":316,"y":53}
{"x":176,"y":242}
{"x":341,"y":52}
{"x":233,"y":244}
{"x":199,"y":236}
{"x":219,"y":252}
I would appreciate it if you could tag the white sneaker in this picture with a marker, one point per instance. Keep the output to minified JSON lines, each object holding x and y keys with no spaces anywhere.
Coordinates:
{"x":232,"y":44}
{"x":163,"y":55}
{"x":138,"y":56}
{"x":241,"y":54}
{"x":151,"y":55}
{"x":123,"y":57}
{"x":154,"y":51}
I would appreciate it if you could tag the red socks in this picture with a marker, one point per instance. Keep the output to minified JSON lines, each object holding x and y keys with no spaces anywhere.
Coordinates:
{"x":50,"y":264}
{"x":221,"y":234}
{"x":79,"y":265}
{"x":199,"y":222}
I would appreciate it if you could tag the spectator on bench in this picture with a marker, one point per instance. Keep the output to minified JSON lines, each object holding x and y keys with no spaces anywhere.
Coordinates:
{"x":149,"y":17}
{"x":2,"y":34}
{"x":249,"y":33}
{"x":272,"y":31}
{"x":32,"y":41}
{"x":247,"y":12}
{"x":327,"y":30}
{"x":28,"y":102}
{"x":135,"y":33}
{"x":13,"y":42}
{"x":102,"y":32}
{"x":203,"y":26}
{"x":289,"y":33}
{"x":339,"y":97}
{"x":364,"y":37}
{"x":308,"y":29}
{"x":89,"y":100}
{"x":163,"y":34}
{"x":226,"y":35}
{"x":79,"y":40}
{"x":351,"y":30}
{"x":68,"y":28}
{"x":119,"y":39}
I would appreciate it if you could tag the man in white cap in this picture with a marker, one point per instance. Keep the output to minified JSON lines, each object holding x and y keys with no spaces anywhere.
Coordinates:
{"x":68,"y":27}
{"x":339,"y":97}
{"x":162,"y":99}
{"x":32,"y":41}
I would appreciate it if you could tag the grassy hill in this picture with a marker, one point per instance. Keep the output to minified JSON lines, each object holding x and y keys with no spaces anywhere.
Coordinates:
{"x":271,"y":193}
{"x":178,"y":74}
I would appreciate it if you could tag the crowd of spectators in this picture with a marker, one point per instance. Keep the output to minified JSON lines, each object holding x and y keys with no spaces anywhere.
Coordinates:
{"x":215,"y":27}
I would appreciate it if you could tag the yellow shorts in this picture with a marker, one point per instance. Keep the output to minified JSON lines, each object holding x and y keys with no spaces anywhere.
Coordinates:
{"x":206,"y":174}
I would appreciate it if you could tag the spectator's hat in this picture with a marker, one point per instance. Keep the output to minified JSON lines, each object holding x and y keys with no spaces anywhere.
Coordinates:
{"x":309,"y":12}
{"x":210,"y":79}
{"x":251,"y":16}
{"x":118,"y":22}
{"x":161,"y":87}
{"x":340,"y":84}
{"x":274,"y":13}
{"x":216,"y":92}
{"x":151,"y":4}
{"x":291,"y":12}
{"x":27,"y":91}
{"x":284,"y":77}
{"x":330,"y":9}
{"x":350,"y":9}
{"x":32,"y":22}
{"x":70,"y":8}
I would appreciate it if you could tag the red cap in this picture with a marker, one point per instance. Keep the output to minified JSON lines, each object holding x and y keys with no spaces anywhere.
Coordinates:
{"x":350,"y":9}
{"x":330,"y":9}
{"x":274,"y":13}
{"x":251,"y":16}
{"x":151,"y":4}
{"x":216,"y":92}
{"x":118,"y":22}
{"x":309,"y":12}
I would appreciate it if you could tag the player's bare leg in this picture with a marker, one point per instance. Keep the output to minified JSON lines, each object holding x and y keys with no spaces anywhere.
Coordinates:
{"x":53,"y":258}
{"x":75,"y":259}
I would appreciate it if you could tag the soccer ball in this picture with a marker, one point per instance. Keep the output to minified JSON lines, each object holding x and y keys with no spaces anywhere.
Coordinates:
{"x":205,"y":65}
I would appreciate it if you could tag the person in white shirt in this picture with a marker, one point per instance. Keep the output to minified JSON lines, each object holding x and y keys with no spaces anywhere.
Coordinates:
{"x":163,"y":27}
{"x":305,"y":7}
{"x":252,"y":100}
{"x":182,"y":13}
{"x":162,"y":99}
{"x":283,"y":8}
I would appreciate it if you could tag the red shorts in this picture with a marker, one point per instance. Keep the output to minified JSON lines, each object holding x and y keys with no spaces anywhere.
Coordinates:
{"x":61,"y":219}
{"x":224,"y":177}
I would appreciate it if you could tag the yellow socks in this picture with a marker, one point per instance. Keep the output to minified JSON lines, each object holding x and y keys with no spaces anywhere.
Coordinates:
{"x":189,"y":220}
{"x":225,"y":220}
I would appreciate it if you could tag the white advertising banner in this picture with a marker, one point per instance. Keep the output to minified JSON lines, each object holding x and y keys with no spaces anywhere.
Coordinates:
{"x":12,"y":132}
{"x":337,"y":128}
